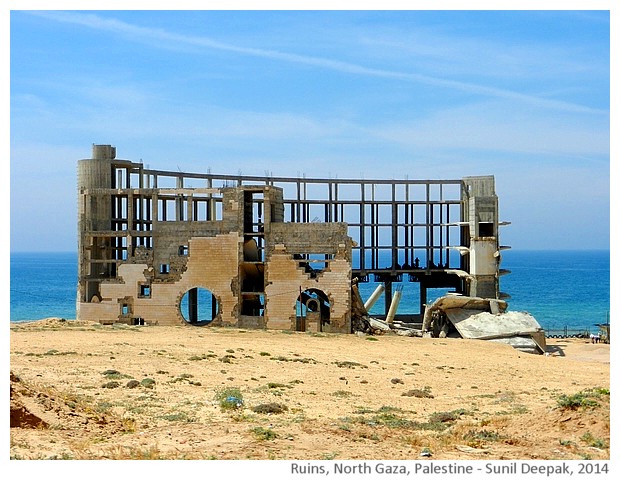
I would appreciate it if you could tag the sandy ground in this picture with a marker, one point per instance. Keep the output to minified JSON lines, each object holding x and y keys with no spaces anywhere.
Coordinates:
{"x":84,"y":391}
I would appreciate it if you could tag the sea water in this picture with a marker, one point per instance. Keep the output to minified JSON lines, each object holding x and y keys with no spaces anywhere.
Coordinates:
{"x":43,"y":285}
{"x":561,"y":289}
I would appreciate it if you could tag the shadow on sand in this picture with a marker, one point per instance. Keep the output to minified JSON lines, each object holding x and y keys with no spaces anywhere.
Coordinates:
{"x":555,"y":350}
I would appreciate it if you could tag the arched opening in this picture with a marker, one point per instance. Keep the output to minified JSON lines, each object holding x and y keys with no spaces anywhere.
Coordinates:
{"x":312,"y":310}
{"x":198,"y":306}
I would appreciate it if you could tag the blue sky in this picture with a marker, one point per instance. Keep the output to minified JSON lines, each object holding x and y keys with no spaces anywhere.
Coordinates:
{"x":522,"y":95}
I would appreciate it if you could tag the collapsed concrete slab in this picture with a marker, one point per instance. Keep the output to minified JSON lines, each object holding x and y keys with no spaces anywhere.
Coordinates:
{"x":483,"y":319}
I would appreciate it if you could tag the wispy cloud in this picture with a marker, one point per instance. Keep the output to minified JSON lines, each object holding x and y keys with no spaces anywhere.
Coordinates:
{"x":502,"y":127}
{"x":167,"y":39}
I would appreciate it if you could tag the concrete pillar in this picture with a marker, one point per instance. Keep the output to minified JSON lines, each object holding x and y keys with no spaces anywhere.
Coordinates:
{"x":374,"y":297}
{"x":388,"y":296}
{"x":482,"y":214}
{"x":423,"y":297}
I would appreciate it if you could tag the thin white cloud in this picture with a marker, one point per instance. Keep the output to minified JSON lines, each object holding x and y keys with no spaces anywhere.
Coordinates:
{"x":449,"y":55}
{"x":171,"y":40}
{"x":502,"y":127}
{"x":492,"y":126}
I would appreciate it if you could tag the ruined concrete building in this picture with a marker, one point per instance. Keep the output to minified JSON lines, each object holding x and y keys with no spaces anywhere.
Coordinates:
{"x":176,"y":248}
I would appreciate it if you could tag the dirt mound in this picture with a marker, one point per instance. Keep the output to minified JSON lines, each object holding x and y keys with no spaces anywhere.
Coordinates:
{"x":43,"y":408}
{"x":54,"y":322}
{"x":21,"y":416}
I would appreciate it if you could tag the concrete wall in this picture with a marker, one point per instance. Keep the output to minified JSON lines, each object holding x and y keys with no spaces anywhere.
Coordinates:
{"x":286,"y":277}
{"x":286,"y":280}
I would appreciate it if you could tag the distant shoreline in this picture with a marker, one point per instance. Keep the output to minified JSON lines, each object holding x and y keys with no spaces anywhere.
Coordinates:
{"x":512,"y":250}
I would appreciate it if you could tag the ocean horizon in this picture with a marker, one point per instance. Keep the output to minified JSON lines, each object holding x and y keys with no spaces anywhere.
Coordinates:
{"x":560,"y":288}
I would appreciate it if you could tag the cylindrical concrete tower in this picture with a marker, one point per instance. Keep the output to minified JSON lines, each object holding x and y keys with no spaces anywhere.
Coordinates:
{"x":95,"y":179}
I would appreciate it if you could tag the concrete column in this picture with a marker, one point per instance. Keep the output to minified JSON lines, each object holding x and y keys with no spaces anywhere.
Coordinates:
{"x":423,"y":297}
{"x":388,"y":296}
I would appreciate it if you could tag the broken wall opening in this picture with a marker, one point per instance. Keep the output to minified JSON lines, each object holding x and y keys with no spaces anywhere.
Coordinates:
{"x":198,"y":306}
{"x":313,"y":264}
{"x":253,"y":304}
{"x":313,"y":310}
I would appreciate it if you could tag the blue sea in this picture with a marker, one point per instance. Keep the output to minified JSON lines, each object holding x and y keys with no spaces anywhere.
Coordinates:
{"x":561,"y":289}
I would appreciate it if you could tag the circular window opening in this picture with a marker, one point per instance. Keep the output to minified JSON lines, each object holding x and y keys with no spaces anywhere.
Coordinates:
{"x":199,"y":306}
